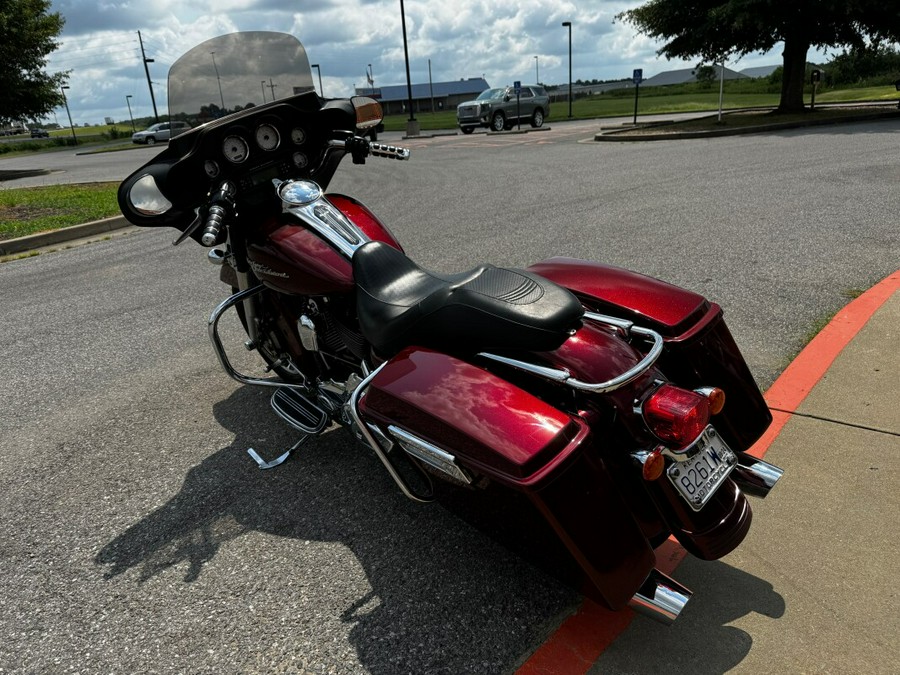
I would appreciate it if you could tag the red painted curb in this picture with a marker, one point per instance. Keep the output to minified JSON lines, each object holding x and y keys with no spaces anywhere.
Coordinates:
{"x":584,"y":636}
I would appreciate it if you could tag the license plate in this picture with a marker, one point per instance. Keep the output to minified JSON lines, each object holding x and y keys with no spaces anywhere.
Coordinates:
{"x":710,"y":462}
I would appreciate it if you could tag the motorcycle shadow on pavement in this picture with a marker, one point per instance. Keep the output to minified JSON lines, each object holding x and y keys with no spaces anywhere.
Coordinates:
{"x":429,"y":594}
{"x":433,"y":590}
{"x":702,"y":640}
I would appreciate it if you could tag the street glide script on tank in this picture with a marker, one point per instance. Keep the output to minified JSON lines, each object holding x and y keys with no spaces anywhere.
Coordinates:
{"x":614,"y":407}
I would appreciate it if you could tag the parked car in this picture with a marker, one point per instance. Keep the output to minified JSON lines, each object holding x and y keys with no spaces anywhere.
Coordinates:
{"x":161,"y":131}
{"x":40,"y":133}
{"x":499,"y":109}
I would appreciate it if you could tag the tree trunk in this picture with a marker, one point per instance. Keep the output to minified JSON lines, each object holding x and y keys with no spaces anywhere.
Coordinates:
{"x":794,"y":77}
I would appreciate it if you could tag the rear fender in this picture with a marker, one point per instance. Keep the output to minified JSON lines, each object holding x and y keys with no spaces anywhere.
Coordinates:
{"x":699,"y":349}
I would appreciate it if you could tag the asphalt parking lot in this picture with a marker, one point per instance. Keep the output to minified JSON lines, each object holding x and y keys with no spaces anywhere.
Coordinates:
{"x":139,"y":537}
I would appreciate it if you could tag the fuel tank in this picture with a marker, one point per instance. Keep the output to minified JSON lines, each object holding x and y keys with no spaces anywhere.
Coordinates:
{"x":291,"y":258}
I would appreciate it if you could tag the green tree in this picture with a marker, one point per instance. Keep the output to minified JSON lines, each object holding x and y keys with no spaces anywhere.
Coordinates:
{"x":705,"y":74}
{"x":27,"y":36}
{"x":713,"y":29}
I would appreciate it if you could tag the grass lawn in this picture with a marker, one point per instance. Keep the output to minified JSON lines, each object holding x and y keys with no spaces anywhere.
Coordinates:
{"x":26,"y":211}
{"x":657,"y":101}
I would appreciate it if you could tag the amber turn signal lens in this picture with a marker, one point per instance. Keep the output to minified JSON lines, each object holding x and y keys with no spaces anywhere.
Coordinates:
{"x":653,"y":465}
{"x":716,"y":398}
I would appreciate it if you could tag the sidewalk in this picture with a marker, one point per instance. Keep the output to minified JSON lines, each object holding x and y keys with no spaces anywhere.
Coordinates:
{"x":813,"y":587}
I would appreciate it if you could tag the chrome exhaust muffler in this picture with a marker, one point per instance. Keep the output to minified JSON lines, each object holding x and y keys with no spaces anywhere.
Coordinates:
{"x":660,"y":597}
{"x":754,"y":476}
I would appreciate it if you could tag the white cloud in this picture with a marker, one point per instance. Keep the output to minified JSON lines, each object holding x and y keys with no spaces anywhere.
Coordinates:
{"x":461,"y":38}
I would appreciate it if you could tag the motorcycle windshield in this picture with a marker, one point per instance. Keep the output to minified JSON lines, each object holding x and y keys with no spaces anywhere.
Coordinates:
{"x":231,"y":73}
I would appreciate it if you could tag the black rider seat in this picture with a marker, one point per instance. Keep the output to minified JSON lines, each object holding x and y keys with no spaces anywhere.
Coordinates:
{"x":487,"y":308}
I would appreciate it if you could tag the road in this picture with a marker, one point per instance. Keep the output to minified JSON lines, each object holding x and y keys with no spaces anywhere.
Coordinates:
{"x":137,"y":534}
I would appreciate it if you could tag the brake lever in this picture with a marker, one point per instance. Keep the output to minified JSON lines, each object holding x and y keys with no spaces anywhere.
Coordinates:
{"x":190,"y":228}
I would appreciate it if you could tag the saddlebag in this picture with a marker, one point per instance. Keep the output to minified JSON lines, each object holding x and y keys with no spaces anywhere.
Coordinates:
{"x":699,"y":349}
{"x":477,"y":424}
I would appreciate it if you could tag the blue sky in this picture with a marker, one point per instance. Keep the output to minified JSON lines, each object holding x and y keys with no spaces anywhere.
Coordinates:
{"x":461,"y":38}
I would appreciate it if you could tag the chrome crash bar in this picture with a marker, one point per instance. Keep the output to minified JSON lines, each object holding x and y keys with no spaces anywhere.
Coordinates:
{"x":219,"y":348}
{"x":564,"y":377}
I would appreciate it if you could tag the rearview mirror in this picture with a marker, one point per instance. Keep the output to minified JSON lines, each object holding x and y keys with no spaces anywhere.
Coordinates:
{"x":146,"y":197}
{"x":368,"y":112}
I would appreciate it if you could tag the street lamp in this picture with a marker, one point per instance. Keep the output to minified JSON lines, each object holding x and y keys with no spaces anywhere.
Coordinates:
{"x":219,"y":80}
{"x":319,"y":70}
{"x":370,"y":75}
{"x":537,"y":77}
{"x":568,"y":24}
{"x":63,"y":87}
{"x":130,"y":116}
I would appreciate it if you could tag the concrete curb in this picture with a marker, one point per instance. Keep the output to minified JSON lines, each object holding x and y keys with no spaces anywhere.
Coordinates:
{"x":62,"y":235}
{"x":620,"y":136}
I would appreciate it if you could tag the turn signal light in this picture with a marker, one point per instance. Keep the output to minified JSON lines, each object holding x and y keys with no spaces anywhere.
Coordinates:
{"x":716,"y":398}
{"x":653,"y":465}
{"x":675,"y":415}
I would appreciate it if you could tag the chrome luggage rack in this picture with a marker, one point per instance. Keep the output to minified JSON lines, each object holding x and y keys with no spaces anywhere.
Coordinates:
{"x":564,"y":377}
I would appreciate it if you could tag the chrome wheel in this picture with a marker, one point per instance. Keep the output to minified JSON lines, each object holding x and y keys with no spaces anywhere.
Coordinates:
{"x":498,"y":122}
{"x":537,"y":119}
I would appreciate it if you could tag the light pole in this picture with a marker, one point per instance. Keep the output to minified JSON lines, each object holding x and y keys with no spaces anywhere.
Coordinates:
{"x":568,"y":24}
{"x":319,"y":70}
{"x":130,"y":116}
{"x":219,"y":80}
{"x":62,"y":89}
{"x":262,"y":85}
{"x":431,"y":86}
{"x":370,"y":76}
{"x":412,"y":126}
{"x":537,"y":76}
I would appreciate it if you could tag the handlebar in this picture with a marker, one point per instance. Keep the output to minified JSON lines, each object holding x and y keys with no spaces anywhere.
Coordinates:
{"x":360,"y":148}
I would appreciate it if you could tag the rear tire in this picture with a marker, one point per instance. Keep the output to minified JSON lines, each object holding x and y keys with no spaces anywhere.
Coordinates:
{"x":467,"y":130}
{"x":537,"y":119}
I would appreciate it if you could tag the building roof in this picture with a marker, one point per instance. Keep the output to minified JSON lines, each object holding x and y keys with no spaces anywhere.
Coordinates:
{"x":398,"y":92}
{"x":760,"y":71}
{"x":685,"y":75}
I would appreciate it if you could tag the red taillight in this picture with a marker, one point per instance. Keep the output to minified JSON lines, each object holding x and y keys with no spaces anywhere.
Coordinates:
{"x":676,"y":415}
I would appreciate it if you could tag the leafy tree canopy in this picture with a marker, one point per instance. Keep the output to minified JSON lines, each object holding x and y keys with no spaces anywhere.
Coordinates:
{"x":27,"y":36}
{"x":717,"y":29}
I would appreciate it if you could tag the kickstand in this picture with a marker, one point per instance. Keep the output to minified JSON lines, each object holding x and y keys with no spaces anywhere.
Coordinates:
{"x":278,"y":460}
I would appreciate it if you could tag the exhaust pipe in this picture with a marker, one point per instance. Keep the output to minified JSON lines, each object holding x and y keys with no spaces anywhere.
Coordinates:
{"x":660,"y":597}
{"x":754,"y":476}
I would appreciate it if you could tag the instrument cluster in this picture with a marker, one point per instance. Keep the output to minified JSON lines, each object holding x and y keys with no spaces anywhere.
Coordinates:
{"x":254,"y":150}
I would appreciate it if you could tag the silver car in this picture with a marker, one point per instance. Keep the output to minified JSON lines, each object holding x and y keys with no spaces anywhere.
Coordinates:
{"x":161,"y":131}
{"x":500,"y":109}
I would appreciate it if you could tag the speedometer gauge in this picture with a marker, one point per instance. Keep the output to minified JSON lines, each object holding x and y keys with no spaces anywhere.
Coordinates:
{"x":267,"y":137}
{"x":298,"y":136}
{"x":235,"y":149}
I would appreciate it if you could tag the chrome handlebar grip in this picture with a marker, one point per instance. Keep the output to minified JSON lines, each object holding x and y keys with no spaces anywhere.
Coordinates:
{"x":390,"y":151}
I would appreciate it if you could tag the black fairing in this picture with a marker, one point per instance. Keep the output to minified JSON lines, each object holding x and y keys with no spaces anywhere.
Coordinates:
{"x":399,"y":304}
{"x":179,"y":173}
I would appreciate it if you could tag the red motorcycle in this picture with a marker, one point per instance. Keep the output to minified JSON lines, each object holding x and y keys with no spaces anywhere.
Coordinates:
{"x":596,"y":393}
